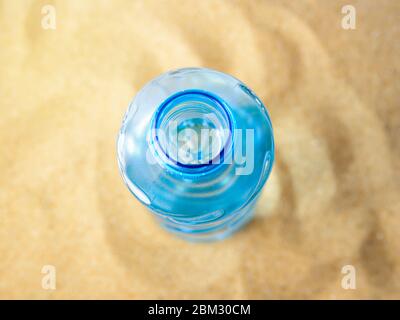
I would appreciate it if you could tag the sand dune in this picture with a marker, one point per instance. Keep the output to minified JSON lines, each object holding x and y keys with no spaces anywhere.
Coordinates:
{"x":333,"y":197}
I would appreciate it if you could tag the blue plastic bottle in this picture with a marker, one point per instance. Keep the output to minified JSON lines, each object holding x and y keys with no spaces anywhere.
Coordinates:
{"x":196,"y":147}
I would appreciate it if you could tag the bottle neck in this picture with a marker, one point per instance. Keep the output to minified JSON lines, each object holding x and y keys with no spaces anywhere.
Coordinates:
{"x":192,"y":131}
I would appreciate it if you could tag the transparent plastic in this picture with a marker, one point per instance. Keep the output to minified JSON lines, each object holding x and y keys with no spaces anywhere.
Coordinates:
{"x":196,"y":147}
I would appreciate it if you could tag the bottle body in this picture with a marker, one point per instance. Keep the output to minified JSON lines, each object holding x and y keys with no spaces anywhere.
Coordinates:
{"x":196,"y":147}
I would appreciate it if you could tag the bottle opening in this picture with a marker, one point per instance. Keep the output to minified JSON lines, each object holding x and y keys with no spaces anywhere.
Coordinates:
{"x":193,"y":129}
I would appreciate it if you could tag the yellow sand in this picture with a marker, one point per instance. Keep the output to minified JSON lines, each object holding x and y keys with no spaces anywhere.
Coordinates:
{"x":334,"y":195}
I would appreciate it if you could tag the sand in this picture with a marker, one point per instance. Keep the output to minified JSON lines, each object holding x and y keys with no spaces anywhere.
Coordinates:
{"x":333,"y":197}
